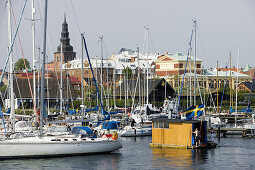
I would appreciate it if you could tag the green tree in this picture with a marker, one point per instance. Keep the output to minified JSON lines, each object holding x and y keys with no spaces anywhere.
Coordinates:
{"x":127,"y":72}
{"x":19,"y":65}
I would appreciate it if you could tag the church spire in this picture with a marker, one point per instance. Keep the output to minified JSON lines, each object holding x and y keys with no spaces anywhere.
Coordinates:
{"x":68,"y":53}
{"x":65,"y":37}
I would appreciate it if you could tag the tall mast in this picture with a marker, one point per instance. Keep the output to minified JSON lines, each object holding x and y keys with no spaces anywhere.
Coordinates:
{"x":101,"y":41}
{"x":43,"y":67}
{"x":96,"y":78}
{"x":139,"y":81}
{"x":82,"y":92}
{"x":236,"y":85}
{"x":230,"y":83}
{"x":190,"y":83}
{"x":195,"y":65}
{"x":107,"y":77}
{"x":147,"y":98}
{"x":33,"y":53}
{"x":61,"y":79}
{"x":12,"y":115}
{"x":217,"y":89}
{"x":114,"y":86}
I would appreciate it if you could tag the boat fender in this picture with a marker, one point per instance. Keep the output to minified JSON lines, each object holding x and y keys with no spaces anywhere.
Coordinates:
{"x":115,"y":136}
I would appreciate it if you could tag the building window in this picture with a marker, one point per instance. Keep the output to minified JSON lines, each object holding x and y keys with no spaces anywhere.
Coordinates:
{"x":180,"y":65}
{"x":198,"y":65}
{"x":166,"y":125}
{"x":161,"y":124}
{"x":155,"y":124}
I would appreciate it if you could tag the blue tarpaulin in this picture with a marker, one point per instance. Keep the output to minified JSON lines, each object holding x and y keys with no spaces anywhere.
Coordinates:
{"x":94,"y":109}
{"x":111,"y":125}
{"x":77,"y":130}
{"x":71,"y":112}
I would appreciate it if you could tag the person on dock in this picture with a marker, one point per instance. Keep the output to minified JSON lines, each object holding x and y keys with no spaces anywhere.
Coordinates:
{"x":212,"y":134}
{"x":133,"y":123}
{"x":197,"y":137}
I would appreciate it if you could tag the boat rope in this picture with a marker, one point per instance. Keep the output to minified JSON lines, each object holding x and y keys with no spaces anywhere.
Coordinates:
{"x":22,"y":53}
{"x":12,"y":43}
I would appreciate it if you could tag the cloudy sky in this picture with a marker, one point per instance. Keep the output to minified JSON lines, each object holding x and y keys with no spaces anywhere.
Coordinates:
{"x":223,"y":26}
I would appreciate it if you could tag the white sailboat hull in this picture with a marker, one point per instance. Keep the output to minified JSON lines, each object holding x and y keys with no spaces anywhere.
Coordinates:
{"x":41,"y":148}
{"x":133,"y":132}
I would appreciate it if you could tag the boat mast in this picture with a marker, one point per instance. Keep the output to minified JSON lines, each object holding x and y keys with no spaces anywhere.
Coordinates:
{"x":82,"y":92}
{"x":12,"y":115}
{"x":139,"y":81}
{"x":147,"y":98}
{"x":195,"y":52}
{"x":61,"y":79}
{"x":96,"y":75}
{"x":107,"y":77}
{"x":236,"y":85}
{"x":230,"y":83}
{"x":190,"y":83}
{"x":43,"y":67}
{"x":114,"y":86}
{"x":217,"y":88}
{"x":101,"y":41}
{"x":33,"y":53}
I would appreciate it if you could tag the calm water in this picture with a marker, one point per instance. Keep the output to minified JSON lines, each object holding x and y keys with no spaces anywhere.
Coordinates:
{"x":232,"y":153}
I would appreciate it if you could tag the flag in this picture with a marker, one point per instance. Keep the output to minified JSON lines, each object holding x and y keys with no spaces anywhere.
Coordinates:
{"x":194,"y":111}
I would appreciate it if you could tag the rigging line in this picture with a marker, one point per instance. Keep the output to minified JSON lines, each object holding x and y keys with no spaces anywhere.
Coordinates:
{"x":210,"y":92}
{"x":12,"y":44}
{"x":91,"y":68}
{"x":200,"y":94}
{"x":20,"y":94}
{"x":145,"y":38}
{"x":152,"y":42}
{"x":223,"y":90}
{"x":75,"y":16}
{"x":189,"y":50}
{"x":49,"y":45}
{"x":22,"y":52}
{"x":199,"y":41}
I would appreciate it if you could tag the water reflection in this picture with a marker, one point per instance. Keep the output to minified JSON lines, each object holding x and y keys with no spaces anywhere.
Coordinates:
{"x":97,"y":161}
{"x":178,"y":158}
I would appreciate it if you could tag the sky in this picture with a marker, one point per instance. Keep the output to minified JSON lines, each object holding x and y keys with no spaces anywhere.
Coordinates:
{"x":222,"y":27}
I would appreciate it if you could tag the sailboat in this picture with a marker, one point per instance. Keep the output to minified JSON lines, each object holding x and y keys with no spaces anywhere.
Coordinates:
{"x":44,"y":146}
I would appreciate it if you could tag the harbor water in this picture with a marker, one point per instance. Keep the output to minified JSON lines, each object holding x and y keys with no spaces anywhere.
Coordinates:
{"x":231,"y":153}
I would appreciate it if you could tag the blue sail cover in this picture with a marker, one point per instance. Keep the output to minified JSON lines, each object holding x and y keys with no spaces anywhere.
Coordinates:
{"x":111,"y":125}
{"x":71,"y":112}
{"x":94,"y":109}
{"x":107,"y":113}
{"x":78,"y":130}
{"x":244,"y":110}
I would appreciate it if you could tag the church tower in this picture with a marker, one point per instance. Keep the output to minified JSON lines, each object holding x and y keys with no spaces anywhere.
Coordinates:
{"x":68,"y":53}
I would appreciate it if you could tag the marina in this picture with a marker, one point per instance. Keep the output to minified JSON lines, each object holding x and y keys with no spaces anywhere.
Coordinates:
{"x":80,"y":105}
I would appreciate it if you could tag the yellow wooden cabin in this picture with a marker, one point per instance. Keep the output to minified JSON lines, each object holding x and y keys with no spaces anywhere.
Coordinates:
{"x":177,"y":133}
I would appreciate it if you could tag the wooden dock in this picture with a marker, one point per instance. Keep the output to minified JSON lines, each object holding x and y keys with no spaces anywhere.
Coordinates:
{"x":242,"y":131}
